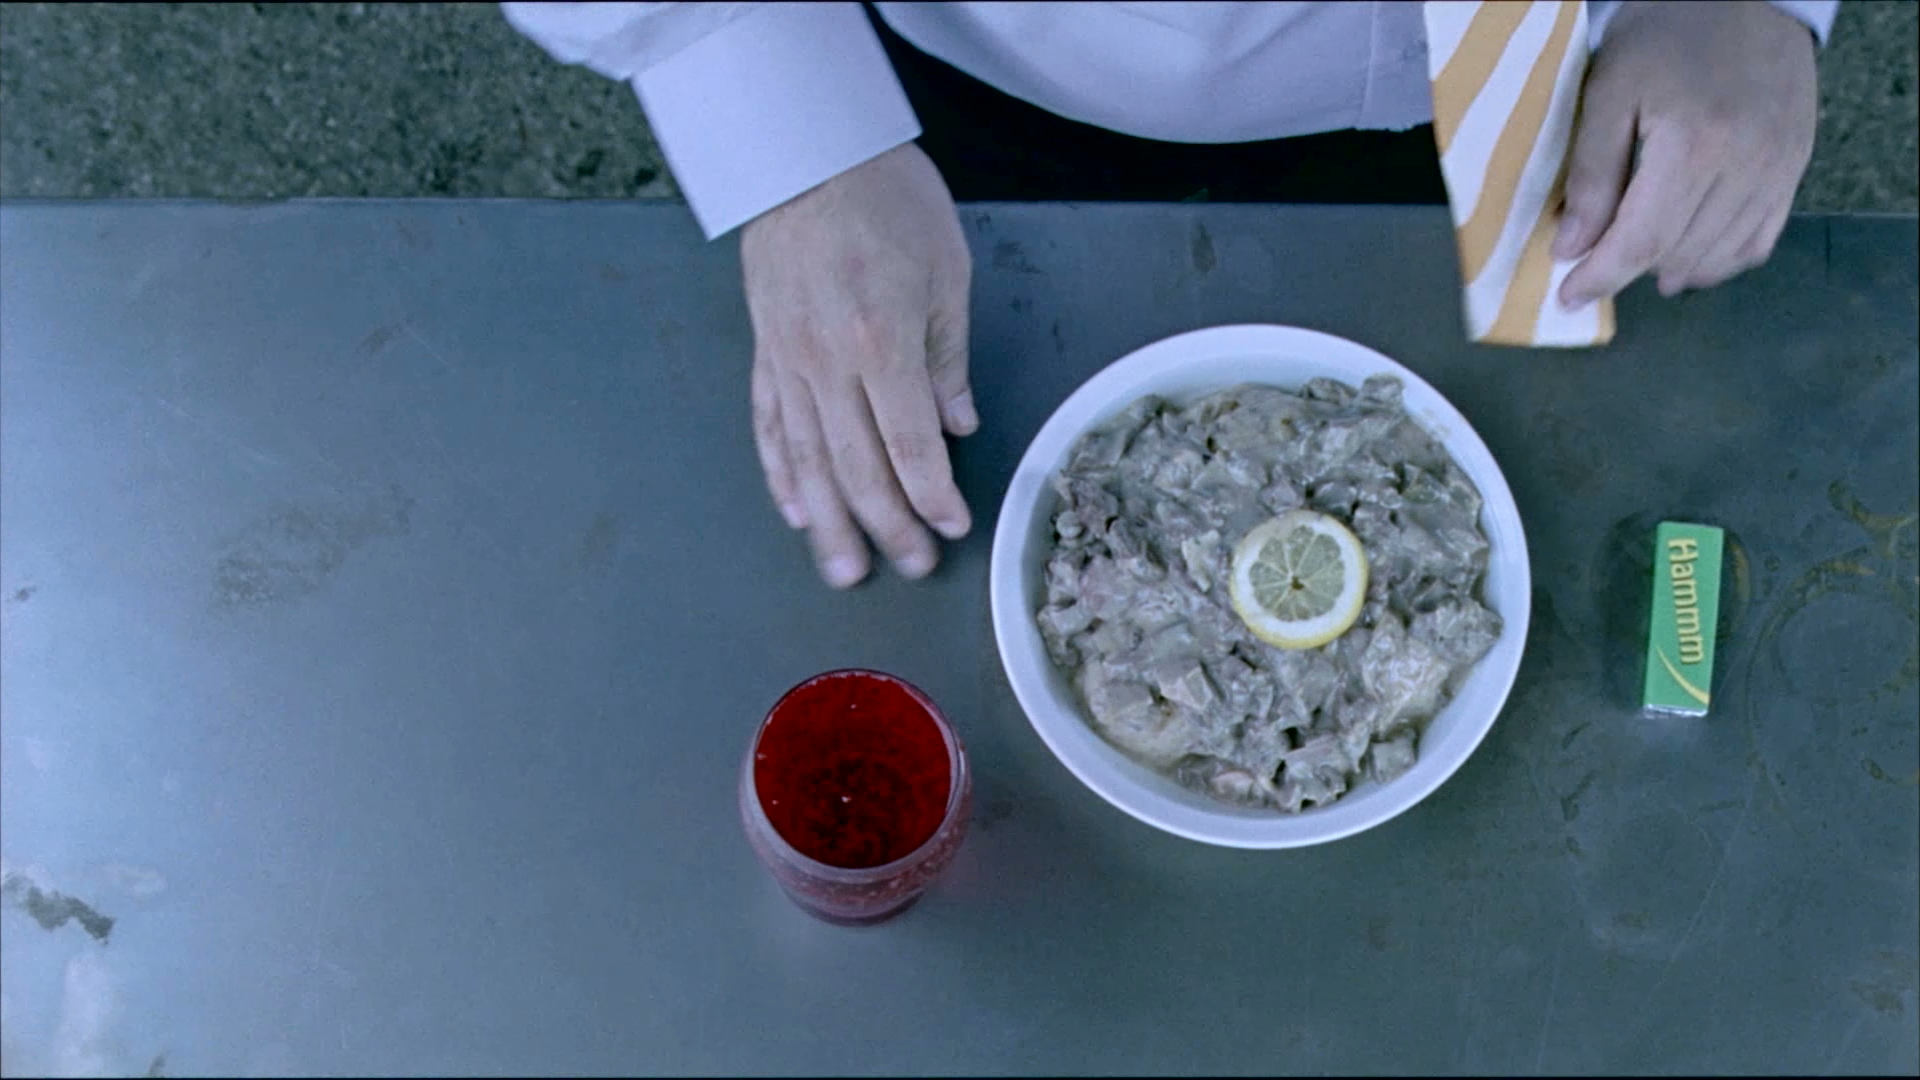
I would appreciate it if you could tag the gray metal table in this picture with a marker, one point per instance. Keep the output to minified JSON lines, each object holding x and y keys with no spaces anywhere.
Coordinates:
{"x":389,"y":592}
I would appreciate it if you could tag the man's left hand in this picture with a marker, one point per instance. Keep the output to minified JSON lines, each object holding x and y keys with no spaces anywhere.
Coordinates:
{"x":1695,"y":128}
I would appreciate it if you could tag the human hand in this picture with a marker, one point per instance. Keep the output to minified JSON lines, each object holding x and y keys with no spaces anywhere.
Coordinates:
{"x":858,"y":293}
{"x":1712,"y":105}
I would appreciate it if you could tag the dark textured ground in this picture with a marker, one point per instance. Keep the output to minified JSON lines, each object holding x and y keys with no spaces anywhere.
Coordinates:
{"x":278,"y":100}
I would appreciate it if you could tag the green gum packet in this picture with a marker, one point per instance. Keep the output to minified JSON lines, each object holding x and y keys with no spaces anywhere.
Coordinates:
{"x":1685,"y":616}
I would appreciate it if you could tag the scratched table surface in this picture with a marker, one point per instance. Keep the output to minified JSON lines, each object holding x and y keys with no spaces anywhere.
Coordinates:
{"x":390,"y":593}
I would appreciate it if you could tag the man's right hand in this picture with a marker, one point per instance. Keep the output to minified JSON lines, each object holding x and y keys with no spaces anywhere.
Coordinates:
{"x":858,"y":291}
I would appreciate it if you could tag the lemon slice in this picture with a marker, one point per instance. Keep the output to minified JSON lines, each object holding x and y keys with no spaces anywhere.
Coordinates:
{"x":1299,"y":580}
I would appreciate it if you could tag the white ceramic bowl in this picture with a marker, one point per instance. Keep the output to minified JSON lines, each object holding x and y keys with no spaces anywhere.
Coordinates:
{"x":1183,"y":368}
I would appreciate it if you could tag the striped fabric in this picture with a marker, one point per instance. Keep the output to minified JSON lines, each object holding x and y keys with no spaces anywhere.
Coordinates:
{"x":1506,"y":84}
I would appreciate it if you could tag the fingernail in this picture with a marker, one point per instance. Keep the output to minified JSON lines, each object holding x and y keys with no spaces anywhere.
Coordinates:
{"x":843,"y":570}
{"x":960,"y":410}
{"x":1564,"y":243}
{"x":796,"y":518}
{"x":917,"y":565}
{"x":953,"y":528}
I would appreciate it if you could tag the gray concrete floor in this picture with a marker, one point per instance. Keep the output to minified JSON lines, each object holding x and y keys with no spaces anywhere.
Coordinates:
{"x":254,"y":101}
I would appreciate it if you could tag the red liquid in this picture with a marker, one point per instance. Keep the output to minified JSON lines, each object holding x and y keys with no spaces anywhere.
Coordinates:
{"x":852,"y":771}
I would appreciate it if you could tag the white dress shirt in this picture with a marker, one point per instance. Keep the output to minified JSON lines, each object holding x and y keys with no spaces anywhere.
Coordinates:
{"x":754,"y":103}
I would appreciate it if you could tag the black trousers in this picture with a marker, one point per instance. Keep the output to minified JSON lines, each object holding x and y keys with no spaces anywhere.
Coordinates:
{"x":991,"y":146}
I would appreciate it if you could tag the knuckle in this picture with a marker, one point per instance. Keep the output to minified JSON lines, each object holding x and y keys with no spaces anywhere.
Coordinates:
{"x":1711,"y":141}
{"x":805,"y":455}
{"x":1586,"y":197}
{"x":945,"y":362}
{"x":800,"y":350}
{"x":888,"y":523}
{"x":863,"y":478}
{"x":1591,"y":210}
{"x":1639,"y":253}
{"x":912,"y":449}
{"x":773,"y":449}
{"x":1713,"y":130}
{"x":1675,"y":265}
{"x":766,"y":414}
{"x":870,"y":334}
{"x":801,"y":365}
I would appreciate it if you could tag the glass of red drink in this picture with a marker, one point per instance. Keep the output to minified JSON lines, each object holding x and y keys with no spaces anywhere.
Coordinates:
{"x":855,"y":793}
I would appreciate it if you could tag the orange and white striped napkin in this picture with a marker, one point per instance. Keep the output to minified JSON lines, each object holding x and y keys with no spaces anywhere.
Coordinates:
{"x":1506,"y":85}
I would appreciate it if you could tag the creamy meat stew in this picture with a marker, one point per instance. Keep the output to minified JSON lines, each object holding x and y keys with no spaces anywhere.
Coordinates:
{"x":1138,"y":616}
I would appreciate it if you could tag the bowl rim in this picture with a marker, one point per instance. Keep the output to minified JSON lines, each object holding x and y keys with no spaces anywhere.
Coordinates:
{"x":1099,"y":397}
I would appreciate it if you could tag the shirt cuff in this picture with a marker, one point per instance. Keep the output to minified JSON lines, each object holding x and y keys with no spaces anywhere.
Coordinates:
{"x":772,"y":105}
{"x":1817,"y":15}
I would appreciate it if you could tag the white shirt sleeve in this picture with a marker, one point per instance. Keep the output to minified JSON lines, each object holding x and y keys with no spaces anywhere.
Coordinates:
{"x":1816,"y":14}
{"x":752,"y":104}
